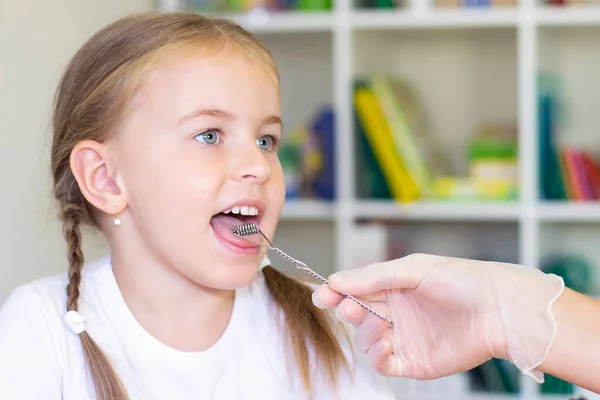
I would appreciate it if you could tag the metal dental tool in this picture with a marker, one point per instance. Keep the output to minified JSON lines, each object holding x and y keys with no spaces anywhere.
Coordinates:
{"x":249,"y":229}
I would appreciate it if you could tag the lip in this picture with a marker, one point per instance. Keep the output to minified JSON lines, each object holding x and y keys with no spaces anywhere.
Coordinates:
{"x":232,"y":246}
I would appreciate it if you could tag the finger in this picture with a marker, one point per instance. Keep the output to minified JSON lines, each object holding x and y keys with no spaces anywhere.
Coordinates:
{"x":383,"y":359}
{"x":351,"y":312}
{"x":324,"y":297}
{"x":372,"y":330}
{"x":402,"y":273}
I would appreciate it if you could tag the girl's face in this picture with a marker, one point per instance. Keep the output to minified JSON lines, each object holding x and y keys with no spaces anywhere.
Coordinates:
{"x":200,"y":140}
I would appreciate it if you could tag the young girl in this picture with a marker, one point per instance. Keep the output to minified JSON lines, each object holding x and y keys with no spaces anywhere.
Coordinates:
{"x":165,"y":136}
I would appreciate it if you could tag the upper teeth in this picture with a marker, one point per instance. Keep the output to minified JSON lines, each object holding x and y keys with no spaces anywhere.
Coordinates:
{"x":244,"y":210}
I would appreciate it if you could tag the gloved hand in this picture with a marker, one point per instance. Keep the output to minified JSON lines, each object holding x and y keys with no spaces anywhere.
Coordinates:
{"x":449,"y":314}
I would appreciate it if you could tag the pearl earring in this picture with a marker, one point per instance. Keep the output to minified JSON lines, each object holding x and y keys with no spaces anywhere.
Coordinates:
{"x":117,"y":219}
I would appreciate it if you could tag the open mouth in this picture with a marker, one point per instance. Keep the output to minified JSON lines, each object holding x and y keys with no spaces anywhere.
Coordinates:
{"x":223,"y":223}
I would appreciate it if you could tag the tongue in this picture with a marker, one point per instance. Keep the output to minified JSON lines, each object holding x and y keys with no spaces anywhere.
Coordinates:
{"x":223,"y":223}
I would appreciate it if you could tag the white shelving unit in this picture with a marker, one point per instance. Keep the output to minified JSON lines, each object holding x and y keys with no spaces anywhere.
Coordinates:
{"x":471,"y":66}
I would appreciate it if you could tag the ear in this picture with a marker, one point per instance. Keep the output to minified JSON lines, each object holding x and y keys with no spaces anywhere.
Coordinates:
{"x":98,"y":180}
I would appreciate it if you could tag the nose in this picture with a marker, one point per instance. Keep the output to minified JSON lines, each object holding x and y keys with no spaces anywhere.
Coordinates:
{"x":251,"y":164}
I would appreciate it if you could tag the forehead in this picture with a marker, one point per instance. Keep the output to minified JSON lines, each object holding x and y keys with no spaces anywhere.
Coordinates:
{"x":224,"y":80}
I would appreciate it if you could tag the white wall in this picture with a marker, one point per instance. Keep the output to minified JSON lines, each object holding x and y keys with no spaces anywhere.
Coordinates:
{"x":37,"y":38}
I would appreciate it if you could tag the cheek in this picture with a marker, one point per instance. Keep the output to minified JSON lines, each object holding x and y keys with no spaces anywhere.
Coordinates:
{"x":277,"y":189}
{"x":171,"y":187}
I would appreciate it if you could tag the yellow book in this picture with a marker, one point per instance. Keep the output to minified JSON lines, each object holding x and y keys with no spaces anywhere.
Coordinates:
{"x":401,"y":132}
{"x":377,"y":130}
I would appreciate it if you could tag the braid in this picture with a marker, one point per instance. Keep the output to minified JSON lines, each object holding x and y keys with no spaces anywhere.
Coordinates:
{"x":72,"y":234}
{"x":106,"y":382}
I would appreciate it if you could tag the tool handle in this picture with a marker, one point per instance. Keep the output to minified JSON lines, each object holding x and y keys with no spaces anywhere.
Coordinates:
{"x":362,"y":304}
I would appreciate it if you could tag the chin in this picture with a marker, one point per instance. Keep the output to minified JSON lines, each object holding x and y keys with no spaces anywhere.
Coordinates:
{"x":233,"y":283}
{"x":241,"y":281}
{"x":225,"y":276}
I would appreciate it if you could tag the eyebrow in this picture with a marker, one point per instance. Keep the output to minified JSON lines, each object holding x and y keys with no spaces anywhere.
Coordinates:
{"x":213,"y":112}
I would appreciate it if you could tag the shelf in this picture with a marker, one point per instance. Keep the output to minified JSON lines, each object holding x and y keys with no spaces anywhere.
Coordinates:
{"x":308,"y":210}
{"x":260,"y":21}
{"x":325,"y":211}
{"x":263,"y":21}
{"x":569,"y":212}
{"x":384,"y":19}
{"x":568,"y":16}
{"x":437,"y":211}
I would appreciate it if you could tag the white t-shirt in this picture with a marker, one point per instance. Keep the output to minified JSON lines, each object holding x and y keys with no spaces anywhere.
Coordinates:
{"x":40,"y":358}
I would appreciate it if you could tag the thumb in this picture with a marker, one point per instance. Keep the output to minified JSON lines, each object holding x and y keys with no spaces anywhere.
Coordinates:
{"x":402,"y":273}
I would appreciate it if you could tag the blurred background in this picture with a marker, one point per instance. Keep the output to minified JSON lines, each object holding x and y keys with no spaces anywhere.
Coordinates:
{"x":460,"y":127}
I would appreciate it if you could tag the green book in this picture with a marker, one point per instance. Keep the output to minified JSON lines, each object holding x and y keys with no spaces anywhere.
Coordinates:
{"x":370,"y":183}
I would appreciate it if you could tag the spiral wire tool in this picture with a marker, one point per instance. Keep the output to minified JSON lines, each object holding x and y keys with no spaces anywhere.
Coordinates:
{"x":250,"y":229}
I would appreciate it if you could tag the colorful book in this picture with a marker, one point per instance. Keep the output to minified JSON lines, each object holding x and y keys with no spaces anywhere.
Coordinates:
{"x":379,"y":136}
{"x":400,"y":128}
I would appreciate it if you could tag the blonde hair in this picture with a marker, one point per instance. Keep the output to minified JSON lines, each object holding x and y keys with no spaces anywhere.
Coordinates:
{"x":96,"y":86}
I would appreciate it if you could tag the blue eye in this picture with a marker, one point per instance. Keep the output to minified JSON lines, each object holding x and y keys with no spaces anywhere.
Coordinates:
{"x":210,"y":137}
{"x":266,"y":143}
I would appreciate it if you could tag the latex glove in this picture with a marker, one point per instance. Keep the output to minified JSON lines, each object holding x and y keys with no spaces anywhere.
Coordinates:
{"x":449,"y":314}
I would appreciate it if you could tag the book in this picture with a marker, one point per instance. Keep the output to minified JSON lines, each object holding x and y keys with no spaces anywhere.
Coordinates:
{"x":378,"y":133}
